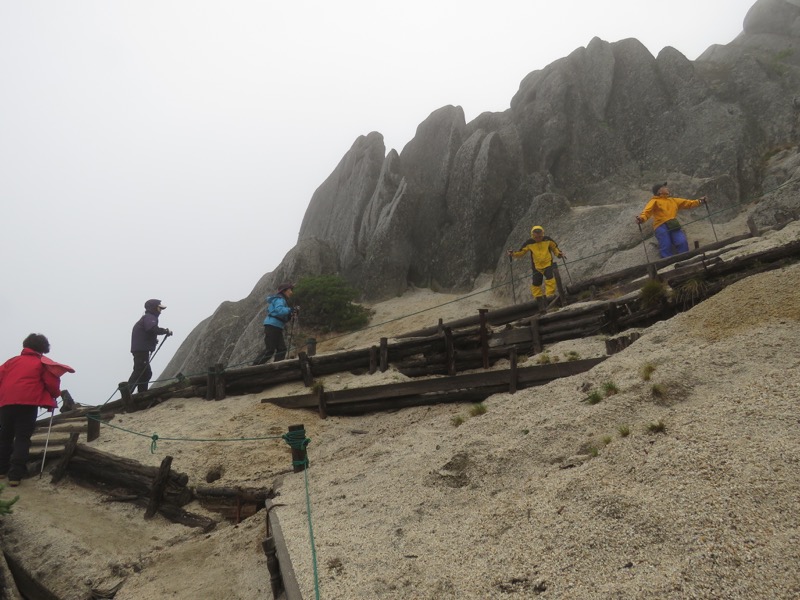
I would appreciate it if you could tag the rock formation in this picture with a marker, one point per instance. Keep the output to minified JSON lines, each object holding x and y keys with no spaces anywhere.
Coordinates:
{"x":577,"y":151}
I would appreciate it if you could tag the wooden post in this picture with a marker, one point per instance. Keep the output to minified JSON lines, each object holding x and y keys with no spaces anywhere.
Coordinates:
{"x":441,"y":326}
{"x":158,"y":487}
{"x":321,"y":402}
{"x":384,"y":357}
{"x":211,"y":383}
{"x":512,"y":370}
{"x":311,"y":346}
{"x":305,"y":369}
{"x":92,"y":425}
{"x":61,"y":467}
{"x":696,"y":245}
{"x":127,"y":399}
{"x":219,"y":388}
{"x":612,"y":315}
{"x":67,"y":403}
{"x":298,"y":455}
{"x":373,"y":359}
{"x":536,"y":336}
{"x":450,"y":351}
{"x":484,"y":337}
{"x":562,"y":293}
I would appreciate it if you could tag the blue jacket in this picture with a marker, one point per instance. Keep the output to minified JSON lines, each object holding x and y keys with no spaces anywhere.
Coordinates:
{"x":278,"y":311}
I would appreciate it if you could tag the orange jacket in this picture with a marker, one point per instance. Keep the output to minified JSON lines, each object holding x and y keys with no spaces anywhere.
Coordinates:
{"x":664,"y":209}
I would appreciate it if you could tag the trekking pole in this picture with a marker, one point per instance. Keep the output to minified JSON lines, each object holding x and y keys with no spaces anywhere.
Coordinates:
{"x":291,"y":339}
{"x":149,"y":360}
{"x":47,"y":441}
{"x":567,"y":270}
{"x":704,"y":201}
{"x":513,"y":286}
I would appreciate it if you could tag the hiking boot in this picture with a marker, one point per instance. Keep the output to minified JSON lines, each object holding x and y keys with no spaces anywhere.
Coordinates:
{"x":13,"y":482}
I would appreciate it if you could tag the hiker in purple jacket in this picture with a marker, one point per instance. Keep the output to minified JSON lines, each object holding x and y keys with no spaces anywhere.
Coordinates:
{"x":144,"y":338}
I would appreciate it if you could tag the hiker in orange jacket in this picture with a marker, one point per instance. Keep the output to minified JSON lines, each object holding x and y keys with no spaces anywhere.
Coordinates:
{"x":664,"y":208}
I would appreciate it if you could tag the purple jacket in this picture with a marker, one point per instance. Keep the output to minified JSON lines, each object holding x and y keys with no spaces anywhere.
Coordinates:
{"x":144,"y":336}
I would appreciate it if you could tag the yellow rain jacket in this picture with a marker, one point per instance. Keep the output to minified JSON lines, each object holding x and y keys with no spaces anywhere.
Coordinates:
{"x":664,"y":209}
{"x":541,"y":252}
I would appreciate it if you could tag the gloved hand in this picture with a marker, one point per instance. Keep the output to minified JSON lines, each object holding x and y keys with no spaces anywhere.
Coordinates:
{"x":703,"y":199}
{"x":296,"y":310}
{"x":168,"y":333}
{"x":639,"y":219}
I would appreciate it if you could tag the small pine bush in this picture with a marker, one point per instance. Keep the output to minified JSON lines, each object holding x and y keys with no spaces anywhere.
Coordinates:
{"x":327,"y":304}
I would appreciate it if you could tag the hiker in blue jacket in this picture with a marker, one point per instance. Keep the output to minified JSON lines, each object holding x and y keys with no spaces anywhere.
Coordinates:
{"x":279,"y":313}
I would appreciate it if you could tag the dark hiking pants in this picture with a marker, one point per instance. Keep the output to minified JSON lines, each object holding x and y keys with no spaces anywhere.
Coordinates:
{"x":17,"y":422}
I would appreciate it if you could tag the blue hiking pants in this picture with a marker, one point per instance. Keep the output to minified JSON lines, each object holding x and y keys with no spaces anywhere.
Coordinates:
{"x":667,"y":240}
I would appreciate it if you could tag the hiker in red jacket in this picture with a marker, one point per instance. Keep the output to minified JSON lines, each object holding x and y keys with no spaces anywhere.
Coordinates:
{"x":27,"y":382}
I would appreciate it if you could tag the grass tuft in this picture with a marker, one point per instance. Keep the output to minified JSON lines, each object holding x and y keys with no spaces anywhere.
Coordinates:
{"x":593,"y":397}
{"x":477,"y":409}
{"x":657,"y":427}
{"x":624,"y":430}
{"x":647,"y":370}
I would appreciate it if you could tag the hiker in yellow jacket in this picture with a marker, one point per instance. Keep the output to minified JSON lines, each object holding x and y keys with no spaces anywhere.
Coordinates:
{"x":542,"y":249}
{"x":664,"y":208}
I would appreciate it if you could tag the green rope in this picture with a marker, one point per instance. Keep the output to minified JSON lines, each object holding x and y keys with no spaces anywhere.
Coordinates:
{"x":155,"y":437}
{"x":311,"y":539}
{"x":297,"y":440}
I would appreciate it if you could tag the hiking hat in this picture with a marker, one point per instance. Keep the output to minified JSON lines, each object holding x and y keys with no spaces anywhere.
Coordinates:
{"x":285,"y":286}
{"x":154,"y":303}
{"x":657,"y":187}
{"x":537,"y":228}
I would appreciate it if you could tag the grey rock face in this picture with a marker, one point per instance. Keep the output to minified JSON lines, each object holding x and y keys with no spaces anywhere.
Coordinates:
{"x":577,"y":152}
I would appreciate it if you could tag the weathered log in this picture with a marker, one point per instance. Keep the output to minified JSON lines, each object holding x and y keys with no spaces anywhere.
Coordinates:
{"x":639,"y":270}
{"x":246,"y":494}
{"x":526,"y":376}
{"x":471,"y":395}
{"x":103,"y":468}
{"x":54,"y":440}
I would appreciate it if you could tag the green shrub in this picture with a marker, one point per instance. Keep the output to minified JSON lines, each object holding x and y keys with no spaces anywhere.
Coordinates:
{"x":572,"y":356}
{"x":544,"y":359}
{"x":657,"y":427}
{"x":624,"y":430}
{"x":327,"y":304}
{"x":606,"y":440}
{"x":457,"y":421}
{"x":652,"y":293}
{"x":647,"y":370}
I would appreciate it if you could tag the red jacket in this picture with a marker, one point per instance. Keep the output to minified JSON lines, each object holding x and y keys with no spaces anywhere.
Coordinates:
{"x":25,"y":380}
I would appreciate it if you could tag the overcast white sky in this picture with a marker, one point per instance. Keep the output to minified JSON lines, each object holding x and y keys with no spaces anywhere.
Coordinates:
{"x":169,"y":149}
